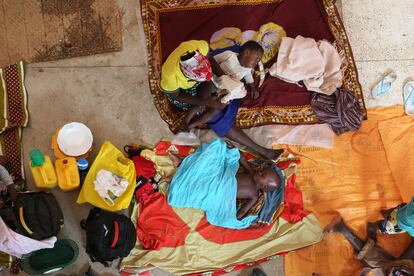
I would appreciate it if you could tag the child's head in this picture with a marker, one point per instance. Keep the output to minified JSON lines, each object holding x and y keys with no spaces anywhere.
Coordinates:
{"x":250,"y":54}
{"x":267,"y":179}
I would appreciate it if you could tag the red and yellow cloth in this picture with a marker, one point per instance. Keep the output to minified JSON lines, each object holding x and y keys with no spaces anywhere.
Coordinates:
{"x":181,"y":241}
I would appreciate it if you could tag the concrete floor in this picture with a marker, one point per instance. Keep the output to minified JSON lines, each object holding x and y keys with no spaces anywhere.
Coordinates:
{"x":110,"y":94}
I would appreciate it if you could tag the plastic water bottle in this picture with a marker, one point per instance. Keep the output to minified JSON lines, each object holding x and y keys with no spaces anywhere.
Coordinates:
{"x":83,"y":167}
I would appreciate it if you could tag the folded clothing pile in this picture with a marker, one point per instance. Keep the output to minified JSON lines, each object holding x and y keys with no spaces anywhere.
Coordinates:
{"x":340,"y":110}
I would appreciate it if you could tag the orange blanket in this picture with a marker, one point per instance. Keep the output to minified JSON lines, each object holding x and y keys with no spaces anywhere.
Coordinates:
{"x":363,"y":173}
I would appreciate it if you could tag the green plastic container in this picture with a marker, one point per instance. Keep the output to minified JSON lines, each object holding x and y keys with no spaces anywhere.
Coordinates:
{"x":37,"y":158}
{"x":46,"y":261}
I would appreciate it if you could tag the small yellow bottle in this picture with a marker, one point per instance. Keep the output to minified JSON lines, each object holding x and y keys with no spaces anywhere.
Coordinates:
{"x":67,"y":173}
{"x":43,"y":172}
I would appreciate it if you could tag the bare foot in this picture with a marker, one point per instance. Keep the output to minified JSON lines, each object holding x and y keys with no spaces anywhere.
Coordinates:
{"x":334,"y":225}
{"x":175,"y":159}
{"x":272,"y":154}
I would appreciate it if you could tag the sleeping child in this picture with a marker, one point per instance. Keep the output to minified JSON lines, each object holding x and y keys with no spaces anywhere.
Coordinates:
{"x":232,"y":69}
{"x":210,"y":179}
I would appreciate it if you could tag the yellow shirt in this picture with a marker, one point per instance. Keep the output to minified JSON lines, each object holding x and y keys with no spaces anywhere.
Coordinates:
{"x":172,"y":77}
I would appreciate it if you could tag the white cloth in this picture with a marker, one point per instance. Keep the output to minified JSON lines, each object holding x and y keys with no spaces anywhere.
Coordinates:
{"x":109,"y":186}
{"x":317,"y":135}
{"x":236,"y":89}
{"x":231,"y":66}
{"x":17,"y":245}
{"x":317,"y":64}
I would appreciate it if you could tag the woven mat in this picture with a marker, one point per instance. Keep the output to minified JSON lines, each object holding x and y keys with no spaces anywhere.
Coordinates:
{"x":43,"y":30}
{"x":168,"y":23}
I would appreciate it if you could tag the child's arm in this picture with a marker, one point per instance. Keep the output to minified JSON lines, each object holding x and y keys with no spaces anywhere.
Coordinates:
{"x":254,"y":93}
{"x":246,"y":164}
{"x":243,"y":161}
{"x":212,"y":102}
{"x":12,"y":192}
{"x":246,"y":207}
{"x":7,"y":180}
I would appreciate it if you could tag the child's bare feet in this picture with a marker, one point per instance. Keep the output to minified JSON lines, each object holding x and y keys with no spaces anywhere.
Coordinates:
{"x":175,"y":159}
{"x":335,"y":224}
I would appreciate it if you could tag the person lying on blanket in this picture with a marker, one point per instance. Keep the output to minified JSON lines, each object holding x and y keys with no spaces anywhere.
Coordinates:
{"x":378,"y":261}
{"x":238,"y":67}
{"x":186,"y":81}
{"x":210,"y":179}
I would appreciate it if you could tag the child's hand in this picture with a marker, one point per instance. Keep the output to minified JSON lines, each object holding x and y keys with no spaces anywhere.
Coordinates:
{"x":215,"y":102}
{"x":230,"y":145}
{"x":254,"y":93}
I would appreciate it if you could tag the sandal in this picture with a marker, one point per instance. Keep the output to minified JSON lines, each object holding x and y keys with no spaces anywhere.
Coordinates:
{"x":384,"y":86}
{"x":408,"y":95}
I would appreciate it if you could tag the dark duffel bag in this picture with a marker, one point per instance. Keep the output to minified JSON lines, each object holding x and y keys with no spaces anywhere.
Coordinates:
{"x":36,"y":215}
{"x":108,"y":235}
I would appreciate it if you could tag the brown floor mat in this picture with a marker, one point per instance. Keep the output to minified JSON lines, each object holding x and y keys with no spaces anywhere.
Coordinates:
{"x":43,"y":30}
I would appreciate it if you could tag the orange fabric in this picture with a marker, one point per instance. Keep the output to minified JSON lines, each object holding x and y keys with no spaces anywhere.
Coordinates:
{"x":355,"y":180}
{"x":398,"y":140}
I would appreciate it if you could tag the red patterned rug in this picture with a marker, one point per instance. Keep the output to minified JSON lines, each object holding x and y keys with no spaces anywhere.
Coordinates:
{"x":168,"y":23}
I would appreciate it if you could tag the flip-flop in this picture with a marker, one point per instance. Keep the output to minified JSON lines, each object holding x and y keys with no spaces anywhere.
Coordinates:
{"x":408,"y":94}
{"x":384,"y":86}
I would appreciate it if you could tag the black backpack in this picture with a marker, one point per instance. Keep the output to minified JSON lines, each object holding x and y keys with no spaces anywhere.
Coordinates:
{"x":108,"y":235}
{"x":36,"y":215}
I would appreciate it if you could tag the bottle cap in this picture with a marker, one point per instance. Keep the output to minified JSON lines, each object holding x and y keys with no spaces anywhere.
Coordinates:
{"x":83,"y":164}
{"x":37,"y":158}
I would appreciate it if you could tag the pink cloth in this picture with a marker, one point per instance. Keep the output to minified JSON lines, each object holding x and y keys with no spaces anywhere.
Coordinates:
{"x":17,"y":245}
{"x":317,"y":64}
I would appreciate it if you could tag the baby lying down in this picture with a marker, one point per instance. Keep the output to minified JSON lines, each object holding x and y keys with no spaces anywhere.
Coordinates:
{"x":212,"y":179}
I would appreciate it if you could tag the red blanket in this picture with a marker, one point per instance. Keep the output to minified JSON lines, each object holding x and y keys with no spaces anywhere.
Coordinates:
{"x":167,"y":23}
